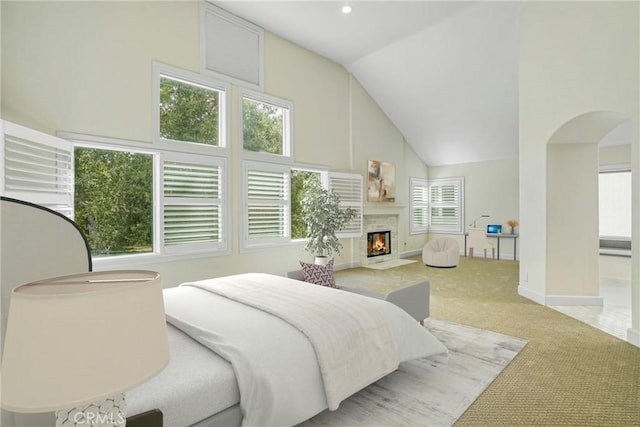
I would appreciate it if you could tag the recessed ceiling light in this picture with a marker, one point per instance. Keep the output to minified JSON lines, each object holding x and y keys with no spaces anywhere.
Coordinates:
{"x":346,"y":9}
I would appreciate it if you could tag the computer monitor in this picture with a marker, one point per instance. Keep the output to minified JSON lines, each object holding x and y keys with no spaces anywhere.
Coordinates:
{"x":494,"y":228}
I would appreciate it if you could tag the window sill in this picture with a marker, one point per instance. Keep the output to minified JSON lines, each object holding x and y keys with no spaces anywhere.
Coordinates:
{"x":124,"y":262}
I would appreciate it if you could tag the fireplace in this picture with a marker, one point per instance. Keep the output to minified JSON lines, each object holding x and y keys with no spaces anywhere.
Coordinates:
{"x":378,"y":243}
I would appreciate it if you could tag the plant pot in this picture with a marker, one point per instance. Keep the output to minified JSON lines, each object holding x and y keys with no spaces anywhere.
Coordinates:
{"x":322,"y":260}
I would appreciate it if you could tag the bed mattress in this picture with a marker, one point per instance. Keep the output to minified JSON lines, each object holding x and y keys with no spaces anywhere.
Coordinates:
{"x":196,"y":384}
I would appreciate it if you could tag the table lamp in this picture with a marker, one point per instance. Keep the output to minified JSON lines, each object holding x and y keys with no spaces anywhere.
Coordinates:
{"x":75,"y":344}
{"x":473,"y":224}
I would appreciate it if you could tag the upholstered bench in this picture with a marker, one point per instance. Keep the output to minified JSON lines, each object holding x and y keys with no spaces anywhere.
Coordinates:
{"x":409,"y":294}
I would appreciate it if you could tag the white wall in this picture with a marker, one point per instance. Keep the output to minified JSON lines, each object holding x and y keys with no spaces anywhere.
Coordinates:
{"x":576,"y":59}
{"x":86,"y":67}
{"x":615,"y":156}
{"x":491,"y":188}
{"x":572,"y":250}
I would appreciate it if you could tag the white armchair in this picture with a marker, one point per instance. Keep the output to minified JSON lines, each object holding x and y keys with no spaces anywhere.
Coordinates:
{"x":442,"y":252}
{"x":478,"y":240}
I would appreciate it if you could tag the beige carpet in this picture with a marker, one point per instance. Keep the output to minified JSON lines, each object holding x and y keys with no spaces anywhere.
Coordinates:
{"x":569,"y":374}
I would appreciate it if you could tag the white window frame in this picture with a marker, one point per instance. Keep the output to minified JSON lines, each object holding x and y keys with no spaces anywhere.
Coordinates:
{"x":188,"y":77}
{"x":287,"y":131}
{"x":162,"y":153}
{"x":457,"y":182}
{"x":423,"y":184}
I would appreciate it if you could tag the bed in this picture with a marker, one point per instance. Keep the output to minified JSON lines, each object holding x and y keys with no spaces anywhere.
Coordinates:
{"x":252,"y":338}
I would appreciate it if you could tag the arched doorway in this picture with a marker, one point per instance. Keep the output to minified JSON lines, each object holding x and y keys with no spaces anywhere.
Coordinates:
{"x":573,"y":253}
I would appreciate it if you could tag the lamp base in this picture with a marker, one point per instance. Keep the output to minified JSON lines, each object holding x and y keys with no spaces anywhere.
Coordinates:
{"x":111,"y":412}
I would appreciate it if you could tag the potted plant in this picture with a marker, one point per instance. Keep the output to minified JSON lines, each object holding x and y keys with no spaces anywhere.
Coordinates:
{"x":324,"y":217}
{"x":513,"y":224}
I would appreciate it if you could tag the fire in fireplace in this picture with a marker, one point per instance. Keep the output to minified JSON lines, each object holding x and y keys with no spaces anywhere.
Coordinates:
{"x":378,"y":243}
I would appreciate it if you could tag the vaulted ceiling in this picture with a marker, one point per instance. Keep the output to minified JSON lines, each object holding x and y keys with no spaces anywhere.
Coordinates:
{"x":445,"y":72}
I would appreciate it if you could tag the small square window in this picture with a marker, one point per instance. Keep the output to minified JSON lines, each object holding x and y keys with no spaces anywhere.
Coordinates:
{"x":189,"y":112}
{"x":266,"y":123}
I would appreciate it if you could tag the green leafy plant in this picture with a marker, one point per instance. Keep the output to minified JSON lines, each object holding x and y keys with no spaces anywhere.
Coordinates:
{"x":324,"y":217}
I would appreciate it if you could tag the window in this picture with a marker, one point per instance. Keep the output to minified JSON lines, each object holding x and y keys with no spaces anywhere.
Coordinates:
{"x":113,"y":202}
{"x":437,"y":205}
{"x":300,"y":179}
{"x":446,"y":205}
{"x":132,"y":199}
{"x":419,"y":209}
{"x":615,"y":204}
{"x":272,"y":202}
{"x":193,"y":214}
{"x":189,"y":108}
{"x":266,"y":125}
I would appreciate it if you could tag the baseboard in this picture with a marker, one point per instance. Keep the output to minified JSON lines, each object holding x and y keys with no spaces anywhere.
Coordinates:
{"x":530,"y":294}
{"x":407,"y":254}
{"x":597,"y":301}
{"x":345,"y":265}
{"x":560,"y":299}
{"x":633,"y":336}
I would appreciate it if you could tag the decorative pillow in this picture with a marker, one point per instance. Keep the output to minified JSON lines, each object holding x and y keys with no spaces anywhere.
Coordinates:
{"x":319,"y":274}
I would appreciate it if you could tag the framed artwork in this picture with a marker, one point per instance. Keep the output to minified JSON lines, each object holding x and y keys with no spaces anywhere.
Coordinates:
{"x":381,"y":181}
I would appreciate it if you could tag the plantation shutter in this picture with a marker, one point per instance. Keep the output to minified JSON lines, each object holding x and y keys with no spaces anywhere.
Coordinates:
{"x":193,"y":207}
{"x":419,"y":209}
{"x":267,"y":203}
{"x":349,"y":188}
{"x":446,"y":205}
{"x":37,"y":168}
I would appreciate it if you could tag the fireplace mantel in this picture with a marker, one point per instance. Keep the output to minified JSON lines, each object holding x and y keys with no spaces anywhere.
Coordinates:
{"x":383,"y":209}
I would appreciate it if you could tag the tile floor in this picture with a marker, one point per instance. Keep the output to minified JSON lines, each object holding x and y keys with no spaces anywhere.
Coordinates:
{"x":614,"y":317}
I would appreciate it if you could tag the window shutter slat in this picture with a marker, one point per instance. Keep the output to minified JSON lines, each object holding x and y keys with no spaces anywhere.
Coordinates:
{"x":37,"y":167}
{"x":267,"y":204}
{"x":350,"y":189}
{"x":446,"y":205}
{"x":192,"y":211}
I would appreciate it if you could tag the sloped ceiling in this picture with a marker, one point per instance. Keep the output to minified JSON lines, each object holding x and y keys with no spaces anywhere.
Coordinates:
{"x":445,"y":72}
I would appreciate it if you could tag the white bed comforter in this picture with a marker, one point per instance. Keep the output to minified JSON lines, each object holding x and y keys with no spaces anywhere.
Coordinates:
{"x":296,"y":348}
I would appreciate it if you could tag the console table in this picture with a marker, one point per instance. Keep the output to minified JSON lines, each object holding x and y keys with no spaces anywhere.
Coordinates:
{"x":497,"y":236}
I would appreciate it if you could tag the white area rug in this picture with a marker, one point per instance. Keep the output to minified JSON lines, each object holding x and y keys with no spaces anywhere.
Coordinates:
{"x":389,"y":264}
{"x":434,"y":391}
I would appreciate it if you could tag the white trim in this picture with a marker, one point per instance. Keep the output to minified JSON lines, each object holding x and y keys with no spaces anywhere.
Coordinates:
{"x":622,"y":167}
{"x":528,"y":293}
{"x":597,"y":301}
{"x":407,"y":254}
{"x":552,"y":300}
{"x":633,"y":336}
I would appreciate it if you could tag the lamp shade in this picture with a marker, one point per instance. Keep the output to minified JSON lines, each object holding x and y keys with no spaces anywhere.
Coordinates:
{"x":77,"y":339}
